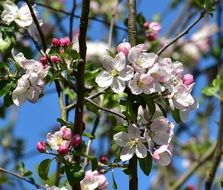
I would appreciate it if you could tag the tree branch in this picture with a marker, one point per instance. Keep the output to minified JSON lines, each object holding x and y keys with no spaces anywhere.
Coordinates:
{"x":186,"y":31}
{"x":22,"y":178}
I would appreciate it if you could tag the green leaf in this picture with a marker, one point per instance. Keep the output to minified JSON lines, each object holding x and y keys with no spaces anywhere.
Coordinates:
{"x":146,"y":164}
{"x":210,"y":91}
{"x":74,"y":173}
{"x":94,"y":162}
{"x":176,"y":115}
{"x":208,"y":5}
{"x":114,"y":184}
{"x":90,"y":136}
{"x":43,"y":169}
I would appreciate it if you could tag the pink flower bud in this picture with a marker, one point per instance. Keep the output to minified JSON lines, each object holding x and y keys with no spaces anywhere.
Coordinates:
{"x":124,"y":47}
{"x":55,"y":59}
{"x":146,"y":25}
{"x":76,"y":141}
{"x":190,"y":187}
{"x":151,"y":37}
{"x":64,"y":42}
{"x":41,"y":146}
{"x":104,"y":159}
{"x":43,"y":60}
{"x":155,"y":27}
{"x":188,"y":79}
{"x":66,"y":133}
{"x":63,"y":149}
{"x":55,"y":42}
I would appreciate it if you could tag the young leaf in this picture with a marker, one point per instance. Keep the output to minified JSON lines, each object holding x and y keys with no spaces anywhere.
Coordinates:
{"x":146,"y":164}
{"x":114,"y":184}
{"x":43,"y":169}
{"x":176,"y":115}
{"x":74,"y":173}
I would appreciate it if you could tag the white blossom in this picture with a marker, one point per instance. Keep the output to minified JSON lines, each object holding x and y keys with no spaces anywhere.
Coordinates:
{"x":116,"y":74}
{"x":131,"y":142}
{"x":21,"y":16}
{"x":162,"y":155}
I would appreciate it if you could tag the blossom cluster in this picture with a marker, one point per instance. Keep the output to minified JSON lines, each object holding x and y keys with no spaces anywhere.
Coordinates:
{"x":61,"y":141}
{"x":31,"y":84}
{"x":146,"y":73}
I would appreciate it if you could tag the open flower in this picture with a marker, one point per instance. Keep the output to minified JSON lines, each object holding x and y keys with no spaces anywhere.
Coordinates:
{"x":116,"y":74}
{"x":142,"y":83}
{"x":21,"y":16}
{"x":162,"y":155}
{"x":139,"y":59}
{"x":131,"y":142}
{"x":29,"y":86}
{"x":94,"y":180}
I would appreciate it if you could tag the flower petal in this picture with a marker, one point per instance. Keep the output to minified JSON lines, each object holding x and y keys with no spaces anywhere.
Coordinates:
{"x":104,"y":79}
{"x":121,"y":139}
{"x":127,"y":154}
{"x":126,"y":74}
{"x":118,"y":85}
{"x":108,"y":62}
{"x":141,"y":150}
{"x":119,"y":61}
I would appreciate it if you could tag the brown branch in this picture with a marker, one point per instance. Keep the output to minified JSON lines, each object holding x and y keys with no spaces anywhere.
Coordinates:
{"x":133,"y":177}
{"x":193,"y":168}
{"x":22,"y":178}
{"x":78,"y":120}
{"x":186,"y":31}
{"x":72,"y":19}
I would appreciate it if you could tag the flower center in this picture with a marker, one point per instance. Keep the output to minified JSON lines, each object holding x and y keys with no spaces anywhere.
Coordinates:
{"x":139,"y":61}
{"x":140,"y":83}
{"x":132,"y":143}
{"x":114,"y":73}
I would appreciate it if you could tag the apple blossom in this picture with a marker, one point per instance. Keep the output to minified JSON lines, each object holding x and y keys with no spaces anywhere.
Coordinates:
{"x":162,"y":155}
{"x":64,"y":42}
{"x":41,"y":146}
{"x":56,"y":188}
{"x":124,"y":47}
{"x":94,"y":180}
{"x":56,"y":141}
{"x":131,"y":143}
{"x":142,"y":83}
{"x":55,"y":42}
{"x":116,"y":74}
{"x":161,"y":130}
{"x":188,"y":79}
{"x":141,"y":60}
{"x":21,"y":16}
{"x":55,"y":59}
{"x":29,"y":86}
{"x":66,"y":132}
{"x":75,"y":140}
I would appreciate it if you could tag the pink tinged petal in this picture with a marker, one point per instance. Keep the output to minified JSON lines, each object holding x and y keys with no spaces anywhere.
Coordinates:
{"x":118,"y":86}
{"x":141,"y":150}
{"x":104,"y":79}
{"x":162,"y":155}
{"x":126,"y":74}
{"x":162,"y":138}
{"x":148,"y":59}
{"x":134,"y":54}
{"x":127,"y":154}
{"x":108,"y":62}
{"x":121,"y":139}
{"x":135,"y":89}
{"x":119,"y":61}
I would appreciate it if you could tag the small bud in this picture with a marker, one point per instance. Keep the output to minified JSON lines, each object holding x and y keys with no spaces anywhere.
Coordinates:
{"x":41,"y":146}
{"x":66,"y":133}
{"x":188,"y":79}
{"x":76,"y":140}
{"x":43,"y":60}
{"x":104,"y":159}
{"x":124,"y":47}
{"x":55,"y":59}
{"x":146,"y":25}
{"x":155,"y":27}
{"x":64,"y":42}
{"x":190,"y":187}
{"x":151,"y":37}
{"x":63,"y":149}
{"x":56,"y":42}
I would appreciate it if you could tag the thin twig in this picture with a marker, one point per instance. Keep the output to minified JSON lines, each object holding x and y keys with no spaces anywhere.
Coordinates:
{"x":22,"y":178}
{"x":77,"y":16}
{"x":37,"y":26}
{"x":202,"y":14}
{"x":98,"y":93}
{"x":193,"y":168}
{"x":105,"y":109}
{"x":72,"y":19}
